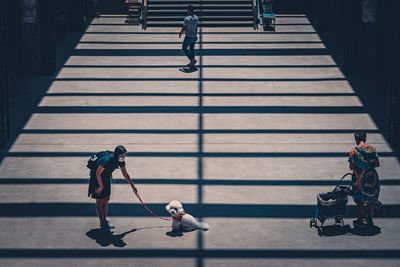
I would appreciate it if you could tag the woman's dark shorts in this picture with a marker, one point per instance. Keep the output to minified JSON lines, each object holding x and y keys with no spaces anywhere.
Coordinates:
{"x":106,"y":188}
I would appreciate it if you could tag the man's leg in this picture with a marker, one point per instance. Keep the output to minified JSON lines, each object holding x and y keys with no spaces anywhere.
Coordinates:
{"x":192,"y":49}
{"x":193,"y":60}
{"x":185,"y":44}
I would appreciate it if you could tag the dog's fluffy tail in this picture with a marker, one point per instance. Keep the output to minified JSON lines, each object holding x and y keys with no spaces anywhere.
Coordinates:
{"x":203,"y":226}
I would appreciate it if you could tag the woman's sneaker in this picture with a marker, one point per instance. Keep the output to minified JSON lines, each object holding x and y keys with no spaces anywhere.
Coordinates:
{"x":106,"y":228}
{"x":112,"y":226}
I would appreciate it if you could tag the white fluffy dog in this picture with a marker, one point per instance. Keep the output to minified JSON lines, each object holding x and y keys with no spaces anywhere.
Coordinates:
{"x":183,"y":221}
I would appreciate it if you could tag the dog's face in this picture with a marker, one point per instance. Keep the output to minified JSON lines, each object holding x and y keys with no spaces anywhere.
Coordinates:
{"x":175,"y":208}
{"x":174,"y":213}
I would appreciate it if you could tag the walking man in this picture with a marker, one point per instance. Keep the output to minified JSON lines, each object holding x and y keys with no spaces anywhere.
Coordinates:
{"x":190,"y":25}
{"x":100,"y":182}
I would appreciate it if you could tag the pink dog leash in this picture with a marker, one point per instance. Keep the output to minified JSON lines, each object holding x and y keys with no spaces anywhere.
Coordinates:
{"x":144,"y":205}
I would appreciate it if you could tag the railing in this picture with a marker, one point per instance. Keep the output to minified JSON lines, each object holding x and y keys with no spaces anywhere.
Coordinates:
{"x":255,"y":14}
{"x":144,"y":14}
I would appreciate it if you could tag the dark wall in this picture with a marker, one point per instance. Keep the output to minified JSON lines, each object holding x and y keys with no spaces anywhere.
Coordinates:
{"x":29,"y":31}
{"x":42,"y":22}
{"x":365,"y":38}
{"x":10,"y":61}
{"x":393,"y":71}
{"x":3,"y":76}
{"x":14,"y":41}
{"x":288,"y":6}
{"x":47,"y":16}
{"x":354,"y":27}
{"x":70,"y":16}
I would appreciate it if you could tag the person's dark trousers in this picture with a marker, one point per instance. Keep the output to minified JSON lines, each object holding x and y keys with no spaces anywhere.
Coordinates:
{"x":189,"y":42}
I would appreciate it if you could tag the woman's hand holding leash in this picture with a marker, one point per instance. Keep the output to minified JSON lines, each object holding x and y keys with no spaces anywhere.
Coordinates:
{"x":134,"y":189}
{"x":98,"y":190}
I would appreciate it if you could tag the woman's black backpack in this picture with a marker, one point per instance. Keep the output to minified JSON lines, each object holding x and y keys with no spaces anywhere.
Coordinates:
{"x":92,"y":162}
{"x":92,"y":165}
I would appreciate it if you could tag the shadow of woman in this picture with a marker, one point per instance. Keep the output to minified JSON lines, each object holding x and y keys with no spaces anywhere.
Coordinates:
{"x":366,"y":231}
{"x":336,"y":230}
{"x":105,"y":239}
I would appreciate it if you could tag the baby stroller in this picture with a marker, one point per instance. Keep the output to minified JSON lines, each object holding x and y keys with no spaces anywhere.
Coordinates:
{"x":331,"y":204}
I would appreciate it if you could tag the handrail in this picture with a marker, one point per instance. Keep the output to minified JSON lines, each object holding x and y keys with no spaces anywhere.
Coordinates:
{"x":255,"y":14}
{"x":144,"y":14}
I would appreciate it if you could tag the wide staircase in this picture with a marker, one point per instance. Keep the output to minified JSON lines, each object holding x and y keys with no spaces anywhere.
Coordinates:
{"x":211,"y":13}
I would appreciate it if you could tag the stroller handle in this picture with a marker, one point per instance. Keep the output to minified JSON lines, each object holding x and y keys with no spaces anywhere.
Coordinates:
{"x":340,"y":181}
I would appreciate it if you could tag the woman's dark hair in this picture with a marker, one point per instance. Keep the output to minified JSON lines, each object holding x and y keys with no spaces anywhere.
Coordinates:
{"x":119,"y":150}
{"x":191,"y":8}
{"x":360,"y":136}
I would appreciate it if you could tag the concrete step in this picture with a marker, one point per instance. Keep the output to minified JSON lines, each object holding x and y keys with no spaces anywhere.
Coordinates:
{"x":207,"y":25}
{"x":203,"y":18}
{"x":182,"y":13}
{"x":236,"y":13}
{"x":203,"y":7}
{"x":197,"y":2}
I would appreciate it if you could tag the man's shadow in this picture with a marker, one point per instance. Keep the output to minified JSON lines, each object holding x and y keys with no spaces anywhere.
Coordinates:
{"x":336,"y":230}
{"x":189,"y":70}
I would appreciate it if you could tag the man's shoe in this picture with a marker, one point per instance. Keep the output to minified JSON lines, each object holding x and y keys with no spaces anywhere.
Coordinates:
{"x":192,"y":63}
